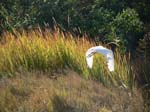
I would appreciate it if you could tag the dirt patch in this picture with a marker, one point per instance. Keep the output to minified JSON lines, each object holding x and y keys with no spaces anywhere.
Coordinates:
{"x":37,"y":92}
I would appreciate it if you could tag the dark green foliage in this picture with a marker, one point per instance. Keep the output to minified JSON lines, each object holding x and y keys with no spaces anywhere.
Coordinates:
{"x":16,"y":14}
{"x":143,"y":62}
{"x":109,"y":20}
{"x":142,"y":7}
{"x":127,"y":27}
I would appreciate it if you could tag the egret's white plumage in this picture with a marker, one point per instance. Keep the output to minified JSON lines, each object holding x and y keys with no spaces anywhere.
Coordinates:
{"x":107,"y":53}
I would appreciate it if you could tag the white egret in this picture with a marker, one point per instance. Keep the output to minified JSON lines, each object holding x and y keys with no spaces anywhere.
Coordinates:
{"x":107,"y":53}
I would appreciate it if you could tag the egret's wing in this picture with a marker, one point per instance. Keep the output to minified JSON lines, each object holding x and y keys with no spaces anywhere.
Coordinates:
{"x":89,"y":57}
{"x":108,"y":54}
{"x":110,"y":61}
{"x":89,"y":61}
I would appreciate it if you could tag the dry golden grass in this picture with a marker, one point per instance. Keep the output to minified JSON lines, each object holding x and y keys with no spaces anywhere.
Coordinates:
{"x":55,"y":52}
{"x":37,"y":92}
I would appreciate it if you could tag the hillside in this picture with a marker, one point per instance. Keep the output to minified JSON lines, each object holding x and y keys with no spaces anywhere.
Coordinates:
{"x":36,"y":76}
{"x":68,"y":92}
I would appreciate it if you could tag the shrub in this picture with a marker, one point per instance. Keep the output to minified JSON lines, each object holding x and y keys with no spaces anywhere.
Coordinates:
{"x":127,"y":27}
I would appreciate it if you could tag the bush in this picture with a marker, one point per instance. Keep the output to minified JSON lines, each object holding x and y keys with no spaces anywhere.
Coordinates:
{"x":97,"y":18}
{"x":126,"y":28}
{"x":142,"y":60}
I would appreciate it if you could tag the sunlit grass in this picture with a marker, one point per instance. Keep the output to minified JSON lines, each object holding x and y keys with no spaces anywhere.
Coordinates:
{"x":53,"y":52}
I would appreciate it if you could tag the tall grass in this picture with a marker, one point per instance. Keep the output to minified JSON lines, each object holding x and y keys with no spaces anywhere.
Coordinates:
{"x":53,"y":52}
